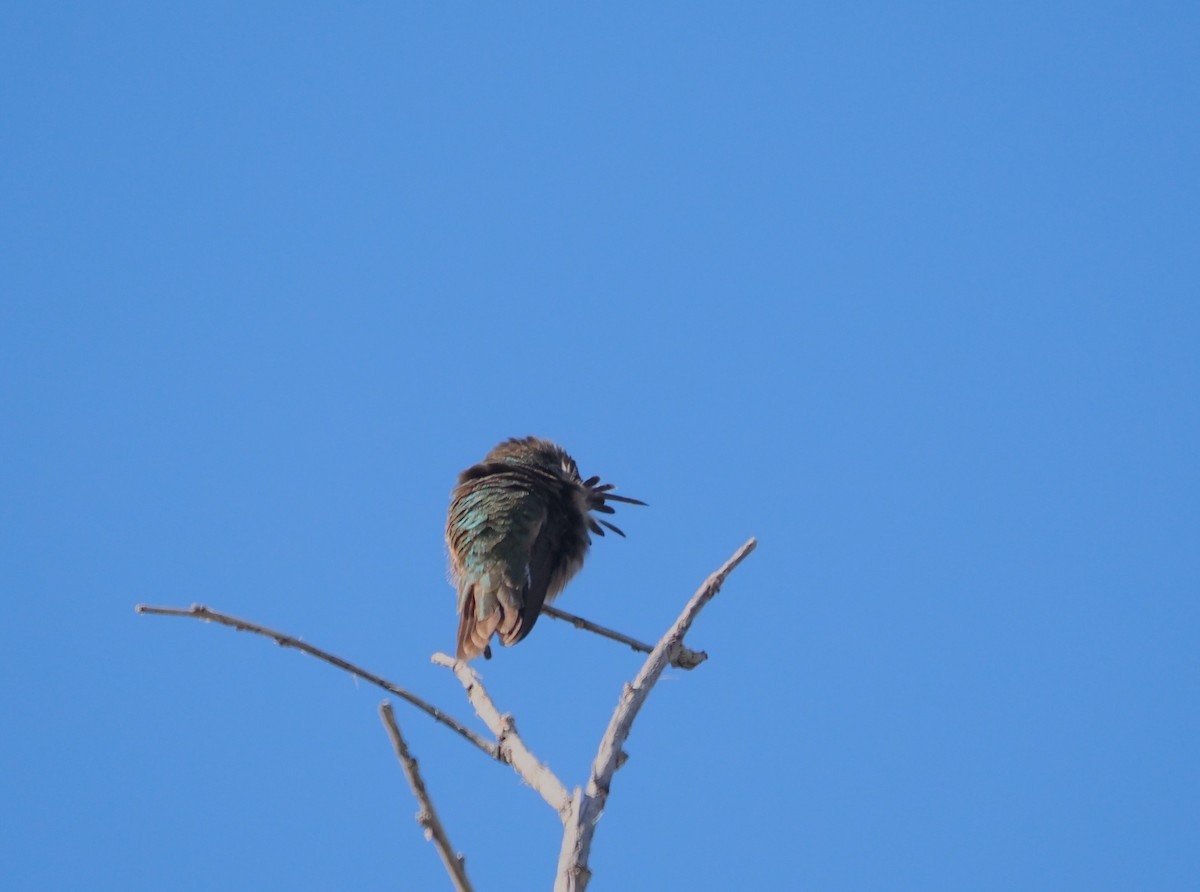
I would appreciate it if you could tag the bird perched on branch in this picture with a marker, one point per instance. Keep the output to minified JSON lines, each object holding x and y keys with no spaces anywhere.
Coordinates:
{"x":518,"y":531}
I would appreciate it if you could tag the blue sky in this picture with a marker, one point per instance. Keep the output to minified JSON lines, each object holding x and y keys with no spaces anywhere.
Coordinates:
{"x":910,"y":293}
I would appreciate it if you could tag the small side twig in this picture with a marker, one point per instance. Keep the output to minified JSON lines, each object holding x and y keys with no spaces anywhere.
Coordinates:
{"x":573,"y":872}
{"x":513,"y":749}
{"x":200,"y":612}
{"x":427,"y":817}
{"x":685,"y":658}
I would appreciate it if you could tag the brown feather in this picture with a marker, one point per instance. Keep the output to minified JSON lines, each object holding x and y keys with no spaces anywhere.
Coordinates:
{"x":474,"y":633}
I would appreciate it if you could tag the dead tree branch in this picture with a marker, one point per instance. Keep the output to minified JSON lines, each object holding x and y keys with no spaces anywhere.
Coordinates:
{"x":200,"y":612}
{"x":683,"y":659}
{"x":573,"y":873}
{"x":512,"y":748}
{"x":427,"y":817}
{"x":580,"y":809}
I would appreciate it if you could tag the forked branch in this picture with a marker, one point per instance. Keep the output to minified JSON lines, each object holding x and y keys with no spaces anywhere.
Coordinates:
{"x":685,"y":658}
{"x":580,"y":810}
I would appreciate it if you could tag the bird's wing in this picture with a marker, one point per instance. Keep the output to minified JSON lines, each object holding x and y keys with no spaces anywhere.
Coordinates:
{"x":523,"y":596}
{"x":544,"y":558}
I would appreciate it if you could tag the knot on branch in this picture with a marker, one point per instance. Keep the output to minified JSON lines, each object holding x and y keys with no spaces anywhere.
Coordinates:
{"x":684,"y":658}
{"x":508,"y":726}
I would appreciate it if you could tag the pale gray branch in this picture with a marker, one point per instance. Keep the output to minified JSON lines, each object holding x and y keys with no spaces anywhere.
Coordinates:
{"x":683,"y":659}
{"x":512,"y":747}
{"x":573,"y":873}
{"x":579,"y":810}
{"x":200,"y":612}
{"x":427,"y":817}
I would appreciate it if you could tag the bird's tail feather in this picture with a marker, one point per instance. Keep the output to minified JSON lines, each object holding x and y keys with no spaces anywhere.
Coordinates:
{"x":486,"y":609}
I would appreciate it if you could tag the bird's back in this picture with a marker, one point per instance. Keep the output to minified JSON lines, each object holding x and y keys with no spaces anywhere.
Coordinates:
{"x":491,"y":529}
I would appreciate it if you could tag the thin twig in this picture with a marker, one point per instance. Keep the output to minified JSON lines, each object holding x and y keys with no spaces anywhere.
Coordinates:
{"x":684,"y":659}
{"x":427,"y":817}
{"x":537,"y":774}
{"x":200,"y":612}
{"x":573,"y":873}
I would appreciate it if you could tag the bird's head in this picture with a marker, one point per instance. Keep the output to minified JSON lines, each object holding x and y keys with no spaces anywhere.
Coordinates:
{"x":536,"y":453}
{"x":552,"y":459}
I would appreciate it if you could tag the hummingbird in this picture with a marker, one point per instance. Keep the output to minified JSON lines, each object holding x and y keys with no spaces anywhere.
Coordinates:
{"x":517,"y":531}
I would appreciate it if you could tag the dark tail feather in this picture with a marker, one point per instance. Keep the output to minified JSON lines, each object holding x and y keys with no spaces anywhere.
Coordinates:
{"x":610,"y":497}
{"x":614,"y":528}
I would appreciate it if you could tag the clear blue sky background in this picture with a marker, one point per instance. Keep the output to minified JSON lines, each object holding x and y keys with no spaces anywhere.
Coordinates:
{"x":911,"y":294}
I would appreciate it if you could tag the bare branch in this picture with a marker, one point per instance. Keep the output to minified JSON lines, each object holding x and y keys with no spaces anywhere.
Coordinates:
{"x":427,"y":817}
{"x":512,"y":747}
{"x":200,"y":612}
{"x":579,"y":810}
{"x":573,"y":873}
{"x":683,"y":659}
